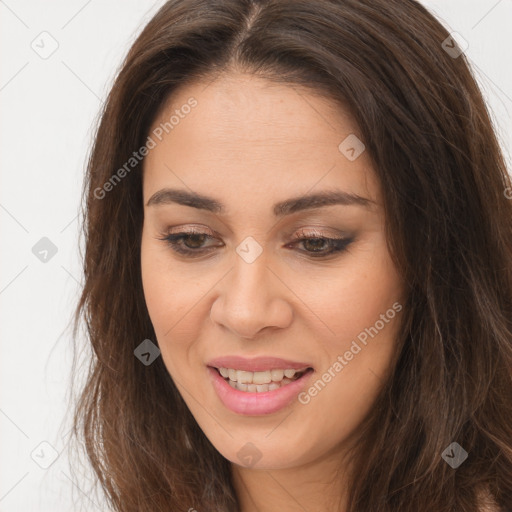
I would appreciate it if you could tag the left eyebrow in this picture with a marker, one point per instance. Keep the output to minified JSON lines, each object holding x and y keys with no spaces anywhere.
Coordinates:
{"x":319,"y":200}
{"x":280,"y":209}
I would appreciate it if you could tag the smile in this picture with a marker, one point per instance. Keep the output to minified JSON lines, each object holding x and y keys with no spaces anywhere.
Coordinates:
{"x":246,"y":397}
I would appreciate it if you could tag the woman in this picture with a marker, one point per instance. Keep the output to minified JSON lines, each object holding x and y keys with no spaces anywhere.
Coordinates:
{"x":298,"y":267}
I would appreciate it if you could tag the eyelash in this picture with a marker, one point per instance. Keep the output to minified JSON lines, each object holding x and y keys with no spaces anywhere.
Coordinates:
{"x":338,"y":245}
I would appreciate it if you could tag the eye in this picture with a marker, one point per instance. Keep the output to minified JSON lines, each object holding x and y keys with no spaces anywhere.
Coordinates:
{"x":315,"y":244}
{"x":192,"y":243}
{"x":189,"y":243}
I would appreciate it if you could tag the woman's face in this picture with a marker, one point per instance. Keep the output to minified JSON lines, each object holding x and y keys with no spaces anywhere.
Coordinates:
{"x":258,"y":279}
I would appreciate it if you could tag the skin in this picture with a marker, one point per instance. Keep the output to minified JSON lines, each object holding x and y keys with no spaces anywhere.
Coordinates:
{"x":250,"y":143}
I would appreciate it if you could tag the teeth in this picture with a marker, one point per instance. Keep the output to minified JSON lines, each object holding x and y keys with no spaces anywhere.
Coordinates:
{"x":277,"y":375}
{"x":259,"y":381}
{"x":243,"y":377}
{"x":262,"y":377}
{"x":265,"y":377}
{"x":258,"y":388}
{"x":241,"y":386}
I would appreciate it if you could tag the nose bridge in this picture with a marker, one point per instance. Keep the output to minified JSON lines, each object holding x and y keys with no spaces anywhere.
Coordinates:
{"x":250,"y":279}
{"x":251,"y":297}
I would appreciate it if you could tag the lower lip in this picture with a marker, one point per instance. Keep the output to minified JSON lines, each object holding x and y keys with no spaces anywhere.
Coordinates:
{"x":252,"y":403}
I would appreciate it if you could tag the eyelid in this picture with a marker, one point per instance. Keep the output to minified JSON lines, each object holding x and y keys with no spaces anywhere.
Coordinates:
{"x":315,"y":232}
{"x":192,"y":230}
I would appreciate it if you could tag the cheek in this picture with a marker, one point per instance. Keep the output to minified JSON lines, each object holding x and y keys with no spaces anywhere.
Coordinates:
{"x":169,"y":298}
{"x":359,"y":295}
{"x":160,"y":287}
{"x":167,"y":290}
{"x":362,"y":307}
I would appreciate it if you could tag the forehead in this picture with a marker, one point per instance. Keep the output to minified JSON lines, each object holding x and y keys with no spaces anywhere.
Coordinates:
{"x":245,"y":110}
{"x":246,"y":137}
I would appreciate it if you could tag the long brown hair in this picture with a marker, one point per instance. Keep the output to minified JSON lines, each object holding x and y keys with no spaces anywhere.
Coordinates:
{"x":449,"y":227}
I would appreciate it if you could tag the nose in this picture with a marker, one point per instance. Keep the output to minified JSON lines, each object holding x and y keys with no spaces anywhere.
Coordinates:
{"x":252,"y":298}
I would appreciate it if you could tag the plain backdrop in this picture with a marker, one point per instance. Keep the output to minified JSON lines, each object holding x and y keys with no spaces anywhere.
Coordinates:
{"x":58,"y":60}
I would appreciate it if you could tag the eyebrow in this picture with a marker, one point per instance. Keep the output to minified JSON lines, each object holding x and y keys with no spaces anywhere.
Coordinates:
{"x":280,"y":209}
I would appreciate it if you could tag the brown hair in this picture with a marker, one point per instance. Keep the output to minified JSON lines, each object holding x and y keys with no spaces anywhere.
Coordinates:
{"x":449,"y":227}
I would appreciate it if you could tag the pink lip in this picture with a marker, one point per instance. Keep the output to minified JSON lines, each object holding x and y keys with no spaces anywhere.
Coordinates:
{"x":256,"y":364}
{"x":252,"y":404}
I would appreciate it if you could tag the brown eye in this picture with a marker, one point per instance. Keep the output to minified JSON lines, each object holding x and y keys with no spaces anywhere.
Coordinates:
{"x":318,"y":246}
{"x":190,"y":243}
{"x":315,"y":244}
{"x":195,"y":241}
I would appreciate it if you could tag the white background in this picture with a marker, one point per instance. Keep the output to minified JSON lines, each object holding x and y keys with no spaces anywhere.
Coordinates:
{"x":49,"y":107}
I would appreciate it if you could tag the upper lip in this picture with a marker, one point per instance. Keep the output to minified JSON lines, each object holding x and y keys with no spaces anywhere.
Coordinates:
{"x":256,"y":364}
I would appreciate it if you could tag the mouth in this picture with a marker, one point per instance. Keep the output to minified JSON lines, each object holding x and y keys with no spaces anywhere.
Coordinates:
{"x":258,"y":393}
{"x":262,"y":381}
